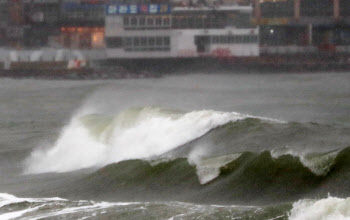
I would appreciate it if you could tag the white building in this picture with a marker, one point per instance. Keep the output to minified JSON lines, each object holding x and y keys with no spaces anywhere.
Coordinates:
{"x":163,"y":31}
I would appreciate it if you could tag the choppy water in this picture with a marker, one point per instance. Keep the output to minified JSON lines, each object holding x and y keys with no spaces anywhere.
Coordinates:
{"x":201,"y":146}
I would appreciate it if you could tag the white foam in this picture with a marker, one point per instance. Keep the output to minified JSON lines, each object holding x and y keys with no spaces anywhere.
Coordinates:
{"x":83,"y":209}
{"x":330,"y":208}
{"x":17,"y":214}
{"x":51,"y":207}
{"x":7,"y":199}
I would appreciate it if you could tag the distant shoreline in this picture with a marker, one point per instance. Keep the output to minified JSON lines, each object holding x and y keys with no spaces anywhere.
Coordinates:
{"x":78,"y":74}
{"x":154,"y":68}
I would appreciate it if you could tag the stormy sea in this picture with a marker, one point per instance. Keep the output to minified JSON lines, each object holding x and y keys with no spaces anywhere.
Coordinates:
{"x":195,"y":146}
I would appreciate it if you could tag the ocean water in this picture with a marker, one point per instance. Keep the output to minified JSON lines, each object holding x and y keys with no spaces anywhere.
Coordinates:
{"x":194,"y":146}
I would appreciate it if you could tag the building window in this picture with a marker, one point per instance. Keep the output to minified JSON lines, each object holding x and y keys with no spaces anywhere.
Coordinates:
{"x":142,"y":21}
{"x":216,"y":39}
{"x":158,"y":21}
{"x":224,"y":39}
{"x":230,"y":39}
{"x":126,"y":21}
{"x":166,"y":41}
{"x":133,"y":21}
{"x":150,"y":21}
{"x":151,"y":41}
{"x":136,"y":41}
{"x":143,"y":41}
{"x":159,"y":41}
{"x":166,"y":21}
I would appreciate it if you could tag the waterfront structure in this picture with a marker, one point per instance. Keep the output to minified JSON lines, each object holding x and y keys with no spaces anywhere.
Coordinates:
{"x":151,"y":31}
{"x":303,"y":26}
{"x":285,"y":26}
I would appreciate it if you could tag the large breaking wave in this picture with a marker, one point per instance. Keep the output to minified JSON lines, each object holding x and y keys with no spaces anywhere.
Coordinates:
{"x":200,"y":156}
{"x":138,"y":133}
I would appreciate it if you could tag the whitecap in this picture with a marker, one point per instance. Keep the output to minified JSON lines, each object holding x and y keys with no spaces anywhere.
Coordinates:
{"x":330,"y":208}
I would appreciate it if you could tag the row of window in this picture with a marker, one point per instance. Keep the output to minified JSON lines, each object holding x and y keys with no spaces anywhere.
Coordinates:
{"x":146,"y":41}
{"x":163,"y":43}
{"x":234,"y":39}
{"x":139,"y":43}
{"x":186,"y":21}
{"x":137,"y":22}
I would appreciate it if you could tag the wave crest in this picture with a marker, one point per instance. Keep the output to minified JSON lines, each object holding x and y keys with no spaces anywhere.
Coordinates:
{"x":137,"y":133}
